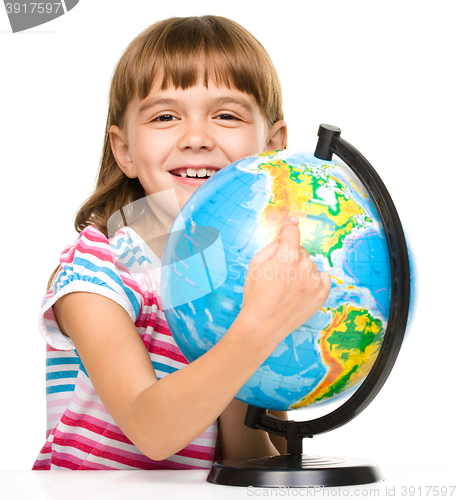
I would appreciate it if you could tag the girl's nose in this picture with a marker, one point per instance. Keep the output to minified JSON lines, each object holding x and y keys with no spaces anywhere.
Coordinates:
{"x":196,"y":137}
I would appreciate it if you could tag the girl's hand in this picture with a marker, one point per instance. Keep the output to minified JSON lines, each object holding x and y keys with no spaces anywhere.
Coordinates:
{"x":283,"y":286}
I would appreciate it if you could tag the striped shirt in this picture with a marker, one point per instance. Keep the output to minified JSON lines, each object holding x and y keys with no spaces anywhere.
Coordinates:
{"x":81,"y":434}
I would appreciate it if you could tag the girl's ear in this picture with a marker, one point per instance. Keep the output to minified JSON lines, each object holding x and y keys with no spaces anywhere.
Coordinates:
{"x":277,"y":136}
{"x":121,"y":151}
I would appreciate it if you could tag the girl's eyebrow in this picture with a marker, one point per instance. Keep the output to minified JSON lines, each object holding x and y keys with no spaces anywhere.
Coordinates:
{"x":149,"y":103}
{"x":233,"y":100}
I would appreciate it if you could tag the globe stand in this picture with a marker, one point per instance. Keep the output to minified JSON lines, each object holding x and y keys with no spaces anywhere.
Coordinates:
{"x":294,"y":469}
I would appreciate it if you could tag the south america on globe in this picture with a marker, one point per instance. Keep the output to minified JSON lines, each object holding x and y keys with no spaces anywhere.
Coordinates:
{"x":232,"y":217}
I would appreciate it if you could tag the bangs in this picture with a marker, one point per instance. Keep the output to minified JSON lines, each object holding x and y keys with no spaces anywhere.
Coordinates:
{"x":182,"y":52}
{"x":203,"y":64}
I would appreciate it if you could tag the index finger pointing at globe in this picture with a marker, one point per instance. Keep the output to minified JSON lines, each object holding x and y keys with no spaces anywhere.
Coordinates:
{"x":289,"y":248}
{"x":269,"y":251}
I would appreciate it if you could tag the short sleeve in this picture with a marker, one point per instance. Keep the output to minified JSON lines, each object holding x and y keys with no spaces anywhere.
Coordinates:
{"x":92,"y":264}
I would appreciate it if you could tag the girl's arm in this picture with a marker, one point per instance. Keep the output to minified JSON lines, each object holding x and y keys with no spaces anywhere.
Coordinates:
{"x":163,"y":416}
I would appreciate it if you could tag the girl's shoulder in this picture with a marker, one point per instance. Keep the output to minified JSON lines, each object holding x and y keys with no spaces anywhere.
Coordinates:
{"x":89,"y":242}
{"x":125,"y":250}
{"x":117,"y":266}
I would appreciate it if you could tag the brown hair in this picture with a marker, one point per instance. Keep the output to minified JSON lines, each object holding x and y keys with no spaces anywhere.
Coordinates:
{"x":181,"y":50}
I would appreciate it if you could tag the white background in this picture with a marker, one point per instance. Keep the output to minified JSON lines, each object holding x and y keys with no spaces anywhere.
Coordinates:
{"x":384,"y":72}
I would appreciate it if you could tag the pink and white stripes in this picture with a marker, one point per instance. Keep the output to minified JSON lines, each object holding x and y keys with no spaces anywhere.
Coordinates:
{"x":81,"y":434}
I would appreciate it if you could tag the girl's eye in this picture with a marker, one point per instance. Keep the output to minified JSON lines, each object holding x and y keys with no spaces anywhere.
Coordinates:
{"x":164,"y":118}
{"x":226,"y":116}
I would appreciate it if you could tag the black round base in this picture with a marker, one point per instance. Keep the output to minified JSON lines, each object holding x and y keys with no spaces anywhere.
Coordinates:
{"x":294,"y":471}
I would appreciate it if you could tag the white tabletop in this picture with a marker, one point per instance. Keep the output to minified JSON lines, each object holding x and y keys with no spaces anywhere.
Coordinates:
{"x":152,"y":485}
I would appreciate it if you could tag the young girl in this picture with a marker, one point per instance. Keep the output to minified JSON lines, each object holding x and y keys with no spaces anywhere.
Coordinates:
{"x":188,"y":97}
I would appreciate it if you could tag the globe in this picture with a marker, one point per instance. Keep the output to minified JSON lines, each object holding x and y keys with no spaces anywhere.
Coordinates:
{"x":234,"y":215}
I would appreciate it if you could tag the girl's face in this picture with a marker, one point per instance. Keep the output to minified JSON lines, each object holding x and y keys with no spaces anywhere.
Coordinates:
{"x":175,"y":138}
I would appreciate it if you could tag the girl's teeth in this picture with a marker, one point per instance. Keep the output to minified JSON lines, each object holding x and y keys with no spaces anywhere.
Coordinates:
{"x":201,"y":172}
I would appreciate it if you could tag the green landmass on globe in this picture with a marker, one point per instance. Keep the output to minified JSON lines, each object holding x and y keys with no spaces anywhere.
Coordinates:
{"x":327,"y":214}
{"x":349,"y":346}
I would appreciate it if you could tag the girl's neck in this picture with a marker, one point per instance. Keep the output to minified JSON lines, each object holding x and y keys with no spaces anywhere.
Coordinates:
{"x":155,"y":224}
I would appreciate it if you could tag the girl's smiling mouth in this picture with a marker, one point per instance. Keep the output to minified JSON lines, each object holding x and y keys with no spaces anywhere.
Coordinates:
{"x":194,"y":173}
